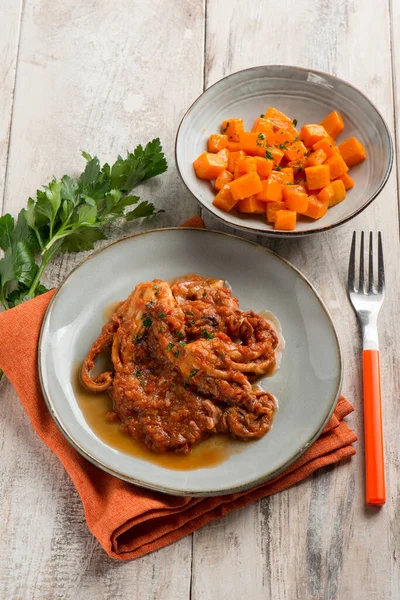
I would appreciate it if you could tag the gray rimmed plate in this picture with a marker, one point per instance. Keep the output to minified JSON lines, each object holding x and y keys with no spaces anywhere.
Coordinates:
{"x":307,"y":96}
{"x":307,"y":385}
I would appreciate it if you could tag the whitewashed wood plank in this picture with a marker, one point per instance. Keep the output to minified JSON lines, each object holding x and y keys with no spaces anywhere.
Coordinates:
{"x":317,"y":540}
{"x":103,"y":77}
{"x":9,"y":41}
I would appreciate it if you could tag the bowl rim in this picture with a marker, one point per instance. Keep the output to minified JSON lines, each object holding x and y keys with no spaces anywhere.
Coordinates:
{"x":279,"y":233}
{"x":96,"y":461}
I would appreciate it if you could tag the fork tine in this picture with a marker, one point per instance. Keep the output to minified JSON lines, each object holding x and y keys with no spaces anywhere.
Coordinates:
{"x":381,"y":268}
{"x":371,"y":264}
{"x":352,"y":265}
{"x":361,"y":282}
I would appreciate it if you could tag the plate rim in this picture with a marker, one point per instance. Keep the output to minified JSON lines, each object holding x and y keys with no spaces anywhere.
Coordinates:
{"x":173,"y":491}
{"x":295,"y":233}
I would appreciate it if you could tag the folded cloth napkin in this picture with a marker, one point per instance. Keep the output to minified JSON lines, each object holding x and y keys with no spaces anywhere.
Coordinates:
{"x":127,"y":520}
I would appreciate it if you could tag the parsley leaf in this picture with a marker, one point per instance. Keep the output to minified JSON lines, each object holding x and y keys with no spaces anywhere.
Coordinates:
{"x":70,"y":216}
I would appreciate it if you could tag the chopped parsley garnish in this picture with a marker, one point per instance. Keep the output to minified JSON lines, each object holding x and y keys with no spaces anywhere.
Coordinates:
{"x":179,"y":334}
{"x":269,"y":155}
{"x":182,"y":344}
{"x":142,"y":382}
{"x":294,"y":122}
{"x":278,"y":168}
{"x":207,"y":335}
{"x":191,"y":375}
{"x":150,"y":304}
{"x":283,"y":146}
{"x":262,"y":116}
{"x":161,"y":315}
{"x":226,"y":127}
{"x":147,"y":322}
{"x":138,"y":374}
{"x":191,"y":323}
{"x":176,"y":354}
{"x":204,"y":294}
{"x":261,"y":136}
{"x":170,"y":346}
{"x":191,"y":314}
{"x":138,"y":339}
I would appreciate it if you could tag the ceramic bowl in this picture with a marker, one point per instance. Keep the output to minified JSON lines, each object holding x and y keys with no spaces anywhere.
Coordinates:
{"x":307,"y":385}
{"x":307,"y":96}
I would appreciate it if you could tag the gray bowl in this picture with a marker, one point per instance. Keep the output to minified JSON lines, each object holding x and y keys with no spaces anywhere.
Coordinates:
{"x":307,"y":96}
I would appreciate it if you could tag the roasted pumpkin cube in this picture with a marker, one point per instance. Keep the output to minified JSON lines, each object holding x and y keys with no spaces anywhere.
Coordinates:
{"x":337,"y":166}
{"x":272,"y":209}
{"x":326,"y":194}
{"x":352,"y":151}
{"x":247,"y":164}
{"x":264,"y":166}
{"x":333,"y":124}
{"x":294,"y":198}
{"x":245,"y":186}
{"x":327,"y":145}
{"x":253,"y":143}
{"x":347,"y":180}
{"x":217,"y":142}
{"x":295,"y":151}
{"x":278,"y":119}
{"x":251,"y":206}
{"x":317,"y":177}
{"x":233,"y":158}
{"x":316,"y":208}
{"x":224,"y":199}
{"x":285,"y":220}
{"x":339,"y":192}
{"x":232,"y":128}
{"x":317,"y":157}
{"x":311,"y":134}
{"x":209,"y":165}
{"x":222,"y":179}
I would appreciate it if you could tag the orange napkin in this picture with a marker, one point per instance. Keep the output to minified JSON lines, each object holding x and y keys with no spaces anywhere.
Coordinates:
{"x":127,"y":520}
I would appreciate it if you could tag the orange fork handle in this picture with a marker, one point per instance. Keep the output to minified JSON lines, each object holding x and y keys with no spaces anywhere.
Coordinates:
{"x":374,"y":461}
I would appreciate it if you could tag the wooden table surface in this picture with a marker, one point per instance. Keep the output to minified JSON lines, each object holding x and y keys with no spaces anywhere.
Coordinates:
{"x":103,"y":76}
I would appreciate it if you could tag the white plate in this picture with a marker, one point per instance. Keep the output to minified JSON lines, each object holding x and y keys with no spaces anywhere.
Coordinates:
{"x":307,"y":385}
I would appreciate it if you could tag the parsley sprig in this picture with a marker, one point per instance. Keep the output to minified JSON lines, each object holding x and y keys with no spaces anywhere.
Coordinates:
{"x":70,"y":216}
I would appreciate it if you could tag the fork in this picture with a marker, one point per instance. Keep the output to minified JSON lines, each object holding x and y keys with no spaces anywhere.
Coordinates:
{"x":367,"y":301}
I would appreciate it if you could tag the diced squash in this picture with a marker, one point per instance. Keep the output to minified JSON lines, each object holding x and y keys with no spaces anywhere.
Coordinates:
{"x":337,"y":166}
{"x":247,"y":164}
{"x":264,"y":166}
{"x":327,"y":145}
{"x":352,"y":151}
{"x":295,"y":151}
{"x":222,"y":179}
{"x":251,"y":205}
{"x":285,"y":135}
{"x":311,"y":134}
{"x":317,"y":177}
{"x":316,"y":208}
{"x":277,"y":176}
{"x":294,"y":198}
{"x":297,"y":167}
{"x":278,"y":119}
{"x":217,"y":142}
{"x":224,"y":199}
{"x":246,"y":186}
{"x":326,"y":194}
{"x":233,"y":158}
{"x":285,"y":220}
{"x":318,"y":157}
{"x":339,"y":192}
{"x":347,"y":180}
{"x":253,"y":143}
{"x":272,"y":209}
{"x":287,"y":173}
{"x":271,"y":191}
{"x":224,"y":154}
{"x":264,"y":126}
{"x":232,"y":128}
{"x":333,"y":124}
{"x":208,"y":165}
{"x":233,"y":146}
{"x":275,"y":154}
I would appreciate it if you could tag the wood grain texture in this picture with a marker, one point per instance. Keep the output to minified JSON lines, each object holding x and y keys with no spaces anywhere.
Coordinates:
{"x":103,"y":77}
{"x":9,"y":45}
{"x":317,"y":540}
